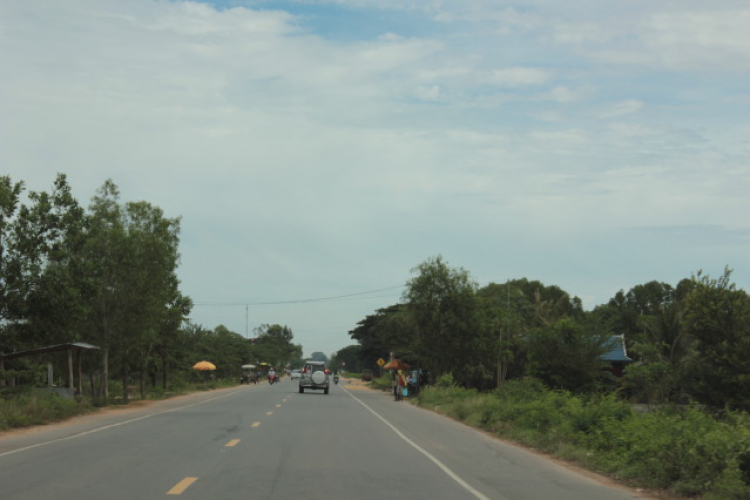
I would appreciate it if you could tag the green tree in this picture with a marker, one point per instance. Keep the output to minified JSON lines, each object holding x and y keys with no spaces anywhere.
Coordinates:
{"x":55,"y":225}
{"x":567,"y":355}
{"x":349,"y":359}
{"x":388,"y":330}
{"x":131,"y":256}
{"x":150,"y":285}
{"x":442,"y":303}
{"x":273,"y":344}
{"x":717,"y":318}
{"x":319,"y":356}
{"x":106,"y":256}
{"x":12,"y":288}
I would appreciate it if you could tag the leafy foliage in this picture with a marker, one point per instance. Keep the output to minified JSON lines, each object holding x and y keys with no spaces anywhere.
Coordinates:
{"x":684,"y":450}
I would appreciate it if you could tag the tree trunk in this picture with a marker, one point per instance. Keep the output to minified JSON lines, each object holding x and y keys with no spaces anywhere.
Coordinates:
{"x":94,"y":391}
{"x":144,"y":377}
{"x":125,"y":382}
{"x":79,"y":387}
{"x":164,"y":368}
{"x":71,"y":379}
{"x":105,"y":376}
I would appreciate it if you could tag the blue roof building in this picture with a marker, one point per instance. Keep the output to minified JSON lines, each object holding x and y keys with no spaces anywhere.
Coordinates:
{"x":616,"y":354}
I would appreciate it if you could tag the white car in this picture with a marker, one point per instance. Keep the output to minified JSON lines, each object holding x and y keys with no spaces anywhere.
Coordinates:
{"x":296,"y":374}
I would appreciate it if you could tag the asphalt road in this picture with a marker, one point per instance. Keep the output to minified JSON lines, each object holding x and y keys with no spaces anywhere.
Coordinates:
{"x":270,"y":442}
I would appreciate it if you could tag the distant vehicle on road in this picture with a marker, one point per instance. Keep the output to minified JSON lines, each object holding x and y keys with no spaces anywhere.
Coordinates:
{"x":367,"y":375}
{"x":295,"y":374}
{"x":314,"y":376}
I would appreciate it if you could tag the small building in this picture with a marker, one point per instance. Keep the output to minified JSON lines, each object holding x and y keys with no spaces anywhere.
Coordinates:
{"x":75,"y":348}
{"x":616,"y":354}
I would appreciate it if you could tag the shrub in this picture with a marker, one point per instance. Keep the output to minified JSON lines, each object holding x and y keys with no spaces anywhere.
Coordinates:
{"x":684,"y":450}
{"x":38,"y":407}
{"x":445,"y":380}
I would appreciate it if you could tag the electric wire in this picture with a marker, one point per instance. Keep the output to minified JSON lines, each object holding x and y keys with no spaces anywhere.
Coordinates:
{"x":298,"y":301}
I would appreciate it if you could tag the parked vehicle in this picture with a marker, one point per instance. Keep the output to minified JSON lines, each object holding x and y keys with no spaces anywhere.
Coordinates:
{"x":367,"y":375}
{"x":249,"y":374}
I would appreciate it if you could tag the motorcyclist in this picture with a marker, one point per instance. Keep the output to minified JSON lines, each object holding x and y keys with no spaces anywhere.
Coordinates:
{"x":271,"y":376}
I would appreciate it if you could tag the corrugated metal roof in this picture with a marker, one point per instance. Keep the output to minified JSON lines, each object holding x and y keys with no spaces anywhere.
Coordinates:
{"x":52,"y":348}
{"x":616,"y":350}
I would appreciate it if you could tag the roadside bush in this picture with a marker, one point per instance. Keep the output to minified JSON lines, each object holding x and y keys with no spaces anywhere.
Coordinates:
{"x":38,"y":407}
{"x":445,"y":381}
{"x":684,"y":450}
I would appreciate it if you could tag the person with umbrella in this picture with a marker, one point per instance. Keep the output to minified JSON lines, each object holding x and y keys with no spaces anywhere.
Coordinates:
{"x":400,"y":385}
{"x":398,"y":379}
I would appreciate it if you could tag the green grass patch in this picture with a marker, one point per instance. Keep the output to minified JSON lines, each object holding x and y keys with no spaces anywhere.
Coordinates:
{"x":684,"y":450}
{"x":37,"y":407}
{"x":24,"y":406}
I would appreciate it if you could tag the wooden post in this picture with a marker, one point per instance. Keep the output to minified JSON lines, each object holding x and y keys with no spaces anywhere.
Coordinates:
{"x":71,"y":384}
{"x":80,"y":372}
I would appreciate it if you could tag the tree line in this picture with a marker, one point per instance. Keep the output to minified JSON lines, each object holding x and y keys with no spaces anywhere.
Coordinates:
{"x":107,"y":275}
{"x":688,"y":343}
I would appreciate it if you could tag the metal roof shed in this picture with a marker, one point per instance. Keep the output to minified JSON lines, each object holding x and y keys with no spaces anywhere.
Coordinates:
{"x":76,"y":347}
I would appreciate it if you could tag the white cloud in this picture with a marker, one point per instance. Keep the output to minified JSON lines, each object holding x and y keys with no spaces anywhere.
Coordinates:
{"x":700,"y":39}
{"x":428,"y":93}
{"x":516,"y":77}
{"x":621,"y":108}
{"x":307,"y":165}
{"x":563,"y":94}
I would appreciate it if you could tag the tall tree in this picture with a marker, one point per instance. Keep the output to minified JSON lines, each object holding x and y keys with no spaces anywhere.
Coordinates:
{"x":55,"y":225}
{"x":348,"y":358}
{"x":12,"y":289}
{"x":151,"y":283}
{"x":442,"y":303}
{"x":273,"y":344}
{"x":106,"y":256}
{"x":389,"y":330}
{"x":566,"y":355}
{"x":717,"y":318}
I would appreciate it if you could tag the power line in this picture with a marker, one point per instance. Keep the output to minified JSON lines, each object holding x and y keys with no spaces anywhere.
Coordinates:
{"x":298,"y":301}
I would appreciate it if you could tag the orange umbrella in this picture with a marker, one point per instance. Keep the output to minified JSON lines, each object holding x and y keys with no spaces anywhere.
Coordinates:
{"x":395,"y":364}
{"x":204,"y":365}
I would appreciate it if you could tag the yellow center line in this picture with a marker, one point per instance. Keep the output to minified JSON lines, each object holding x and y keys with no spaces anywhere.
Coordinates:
{"x":233,"y":442}
{"x":278,"y":406}
{"x":182,"y":486}
{"x":255,"y":424}
{"x":269,"y":413}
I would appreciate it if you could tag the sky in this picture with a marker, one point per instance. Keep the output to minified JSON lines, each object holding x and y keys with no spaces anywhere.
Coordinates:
{"x":317,"y":151}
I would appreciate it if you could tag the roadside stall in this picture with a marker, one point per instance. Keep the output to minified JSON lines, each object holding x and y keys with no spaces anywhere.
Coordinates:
{"x":249,"y":374}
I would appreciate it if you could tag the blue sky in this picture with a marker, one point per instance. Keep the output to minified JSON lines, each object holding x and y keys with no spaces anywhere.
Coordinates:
{"x":325,"y":148}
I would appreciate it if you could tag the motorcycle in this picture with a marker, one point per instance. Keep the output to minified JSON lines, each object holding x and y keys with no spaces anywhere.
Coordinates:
{"x":272,"y":379}
{"x":335,"y":379}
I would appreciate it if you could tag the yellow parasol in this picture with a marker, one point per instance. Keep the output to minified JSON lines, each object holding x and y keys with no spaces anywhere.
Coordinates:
{"x":204,"y":366}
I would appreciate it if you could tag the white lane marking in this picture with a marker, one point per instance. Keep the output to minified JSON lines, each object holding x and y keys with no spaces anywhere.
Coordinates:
{"x":124,"y":422}
{"x":424,"y":452}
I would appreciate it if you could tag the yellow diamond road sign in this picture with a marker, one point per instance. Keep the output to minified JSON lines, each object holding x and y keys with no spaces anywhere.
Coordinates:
{"x":381,"y":362}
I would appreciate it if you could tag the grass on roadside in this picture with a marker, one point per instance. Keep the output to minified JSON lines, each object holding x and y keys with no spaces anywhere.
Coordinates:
{"x":683,"y":450}
{"x":25,"y":407}
{"x":38,"y":407}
